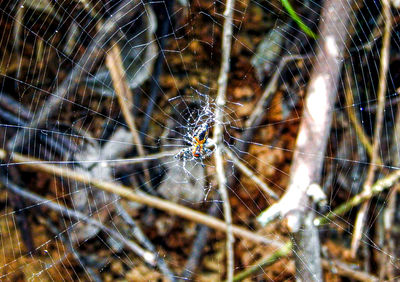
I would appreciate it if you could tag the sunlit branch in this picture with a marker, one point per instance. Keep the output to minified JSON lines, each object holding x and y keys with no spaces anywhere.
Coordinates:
{"x":127,"y":193}
{"x":243,"y":168}
{"x":218,"y":130}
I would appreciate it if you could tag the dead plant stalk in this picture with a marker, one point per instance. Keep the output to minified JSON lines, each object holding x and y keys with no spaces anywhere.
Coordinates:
{"x":127,"y":193}
{"x":124,"y":94}
{"x":218,"y":131}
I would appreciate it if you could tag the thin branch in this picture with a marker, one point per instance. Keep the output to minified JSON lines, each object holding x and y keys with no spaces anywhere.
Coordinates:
{"x":218,"y":130}
{"x":90,"y":272}
{"x":142,"y":239}
{"x":271,"y":88}
{"x":377,"y":188}
{"x":147,"y":158}
{"x":127,"y":193}
{"x":343,"y":269}
{"x":124,"y":94}
{"x":264,"y":262}
{"x":249,"y":173}
{"x":384,"y":66}
{"x":386,"y":268}
{"x":364,"y":139}
{"x":337,"y":267}
{"x":199,"y":243}
{"x":147,"y":256}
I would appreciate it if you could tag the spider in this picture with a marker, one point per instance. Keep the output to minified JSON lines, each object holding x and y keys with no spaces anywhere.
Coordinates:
{"x":199,"y":145}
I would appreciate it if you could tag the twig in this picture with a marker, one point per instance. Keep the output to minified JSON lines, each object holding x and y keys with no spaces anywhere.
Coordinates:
{"x":255,"y":120}
{"x":364,"y":139}
{"x":20,"y":115}
{"x":147,"y":256}
{"x":92,"y":275}
{"x":87,"y":62}
{"x":218,"y":131}
{"x":264,"y":262}
{"x":141,"y":237}
{"x":346,"y":270}
{"x":271,"y":88}
{"x":243,"y":168}
{"x":13,"y":106}
{"x":337,"y":267}
{"x":124,"y":94}
{"x":379,"y":186}
{"x":386,"y":268}
{"x":384,"y":66}
{"x":390,"y":211}
{"x":127,"y":193}
{"x":147,"y":158}
{"x":17,"y":38}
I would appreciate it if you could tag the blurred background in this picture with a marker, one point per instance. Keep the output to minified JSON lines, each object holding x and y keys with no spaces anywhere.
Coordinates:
{"x":139,"y":137}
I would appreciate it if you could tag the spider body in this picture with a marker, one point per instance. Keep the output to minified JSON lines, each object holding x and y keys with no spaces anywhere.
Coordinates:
{"x":200,"y":137}
{"x":198,"y":142}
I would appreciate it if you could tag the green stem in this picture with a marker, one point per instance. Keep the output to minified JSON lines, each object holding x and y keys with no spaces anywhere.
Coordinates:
{"x":286,"y":4}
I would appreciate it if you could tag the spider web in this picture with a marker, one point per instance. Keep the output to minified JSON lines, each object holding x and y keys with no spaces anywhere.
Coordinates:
{"x":170,"y":57}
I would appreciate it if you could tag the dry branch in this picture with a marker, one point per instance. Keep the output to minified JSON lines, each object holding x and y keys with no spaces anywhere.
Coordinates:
{"x":147,"y":256}
{"x":364,"y":139}
{"x":124,"y":94}
{"x":377,"y":188}
{"x":271,"y":88}
{"x":218,"y":130}
{"x":312,"y":139}
{"x":337,"y":267}
{"x":147,"y":158}
{"x":243,"y":168}
{"x":127,"y":193}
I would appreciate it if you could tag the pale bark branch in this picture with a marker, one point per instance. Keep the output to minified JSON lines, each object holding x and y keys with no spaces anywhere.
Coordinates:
{"x":312,"y":140}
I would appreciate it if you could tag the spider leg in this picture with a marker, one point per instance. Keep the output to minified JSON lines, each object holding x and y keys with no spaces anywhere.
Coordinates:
{"x":209,"y":144}
{"x":201,"y":162}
